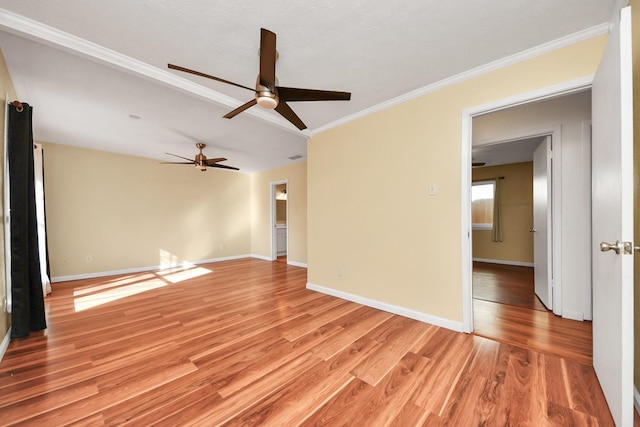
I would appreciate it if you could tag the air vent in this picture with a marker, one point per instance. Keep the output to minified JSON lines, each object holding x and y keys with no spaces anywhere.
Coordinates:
{"x":296,"y":157}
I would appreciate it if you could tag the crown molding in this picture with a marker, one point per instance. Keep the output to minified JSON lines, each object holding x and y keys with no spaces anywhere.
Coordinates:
{"x":473,"y":73}
{"x":41,"y":33}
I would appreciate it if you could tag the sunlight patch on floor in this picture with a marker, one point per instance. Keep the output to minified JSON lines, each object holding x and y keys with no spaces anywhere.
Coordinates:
{"x":183,"y":275}
{"x":112,"y":284}
{"x":113,"y":294}
{"x":114,"y":289}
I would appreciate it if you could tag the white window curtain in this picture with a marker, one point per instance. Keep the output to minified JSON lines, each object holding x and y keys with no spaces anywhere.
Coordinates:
{"x":38,"y":171}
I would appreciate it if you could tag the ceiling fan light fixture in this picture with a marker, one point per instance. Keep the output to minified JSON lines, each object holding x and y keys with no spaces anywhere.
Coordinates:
{"x":267,"y":100}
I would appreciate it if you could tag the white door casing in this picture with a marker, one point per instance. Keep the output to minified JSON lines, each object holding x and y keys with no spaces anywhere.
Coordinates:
{"x":612,"y":199}
{"x":542,"y":229}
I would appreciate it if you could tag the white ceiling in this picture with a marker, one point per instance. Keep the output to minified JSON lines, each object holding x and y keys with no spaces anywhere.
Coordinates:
{"x":87,"y":65}
{"x":505,"y":153}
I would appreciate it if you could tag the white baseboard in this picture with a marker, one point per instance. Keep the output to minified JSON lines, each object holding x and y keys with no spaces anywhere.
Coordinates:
{"x":572,"y":315}
{"x":401,"y":311}
{"x":636,"y":399}
{"x":498,"y":261}
{"x":4,"y":345}
{"x":297,"y":264}
{"x":143,"y":269}
{"x":262,"y":257}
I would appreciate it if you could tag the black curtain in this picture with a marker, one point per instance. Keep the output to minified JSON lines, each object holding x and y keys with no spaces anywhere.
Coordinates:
{"x":27,"y":312}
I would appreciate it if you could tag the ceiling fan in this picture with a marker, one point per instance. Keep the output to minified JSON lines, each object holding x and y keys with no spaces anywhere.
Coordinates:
{"x":476,"y":164}
{"x":201,"y":162}
{"x":267,"y":94}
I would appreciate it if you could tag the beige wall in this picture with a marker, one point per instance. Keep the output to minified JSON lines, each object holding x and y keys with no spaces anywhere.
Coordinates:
{"x":296,"y":176}
{"x":517,"y":213}
{"x":7,"y":92}
{"x":127,"y":212}
{"x":635,"y":24}
{"x":370,"y":214}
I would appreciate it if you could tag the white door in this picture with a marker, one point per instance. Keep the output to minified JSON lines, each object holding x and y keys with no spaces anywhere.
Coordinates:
{"x":542,"y":223}
{"x":612,"y":186}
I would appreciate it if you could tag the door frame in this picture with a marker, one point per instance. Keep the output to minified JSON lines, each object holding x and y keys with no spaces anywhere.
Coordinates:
{"x":274,"y":237}
{"x":564,"y":88}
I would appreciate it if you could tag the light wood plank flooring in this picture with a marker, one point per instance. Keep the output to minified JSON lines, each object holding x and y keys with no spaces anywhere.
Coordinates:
{"x":505,"y":284}
{"x":506,"y":309}
{"x":245,"y":343}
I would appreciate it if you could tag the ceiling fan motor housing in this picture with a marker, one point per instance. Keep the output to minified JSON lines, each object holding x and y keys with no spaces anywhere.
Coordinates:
{"x":201,"y":160}
{"x":266,"y":97}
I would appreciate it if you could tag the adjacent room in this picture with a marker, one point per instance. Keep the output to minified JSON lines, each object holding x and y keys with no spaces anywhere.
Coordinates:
{"x":532,"y":176}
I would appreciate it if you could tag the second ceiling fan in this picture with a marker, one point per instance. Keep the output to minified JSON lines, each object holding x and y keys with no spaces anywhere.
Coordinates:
{"x":267,"y":94}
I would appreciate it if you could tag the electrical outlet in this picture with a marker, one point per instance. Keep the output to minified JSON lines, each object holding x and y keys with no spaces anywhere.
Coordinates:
{"x":340,"y":271}
{"x":222,"y":246}
{"x":89,"y":258}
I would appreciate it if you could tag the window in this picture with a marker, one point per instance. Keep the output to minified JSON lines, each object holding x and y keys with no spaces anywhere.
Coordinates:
{"x":482,"y":193}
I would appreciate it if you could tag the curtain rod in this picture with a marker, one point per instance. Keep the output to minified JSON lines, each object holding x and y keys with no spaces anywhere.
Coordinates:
{"x":18,"y":106}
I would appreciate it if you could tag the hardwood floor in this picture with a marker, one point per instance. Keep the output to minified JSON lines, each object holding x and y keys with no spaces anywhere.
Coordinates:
{"x":507,"y":312}
{"x":245,"y":343}
{"x":506,"y":284}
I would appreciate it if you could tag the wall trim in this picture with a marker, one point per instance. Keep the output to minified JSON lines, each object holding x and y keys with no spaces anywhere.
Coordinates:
{"x":504,"y":262}
{"x":401,"y":311}
{"x":297,"y":264}
{"x":262,"y":257}
{"x":57,"y":279}
{"x":34,"y":30}
{"x":4,"y":345}
{"x":473,"y":73}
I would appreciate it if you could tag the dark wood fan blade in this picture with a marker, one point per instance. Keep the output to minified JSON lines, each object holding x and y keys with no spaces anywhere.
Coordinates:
{"x":294,"y":94}
{"x":268,"y":59}
{"x":288,"y":114}
{"x":210,"y":162}
{"x":477,"y":164}
{"x":178,"y":163}
{"x":223,"y":167}
{"x":240,"y":109}
{"x":198,"y":73}
{"x":191,"y":160}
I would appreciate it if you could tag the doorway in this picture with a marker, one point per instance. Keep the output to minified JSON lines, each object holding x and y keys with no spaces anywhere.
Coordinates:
{"x":279,"y":221}
{"x":564,"y":115}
